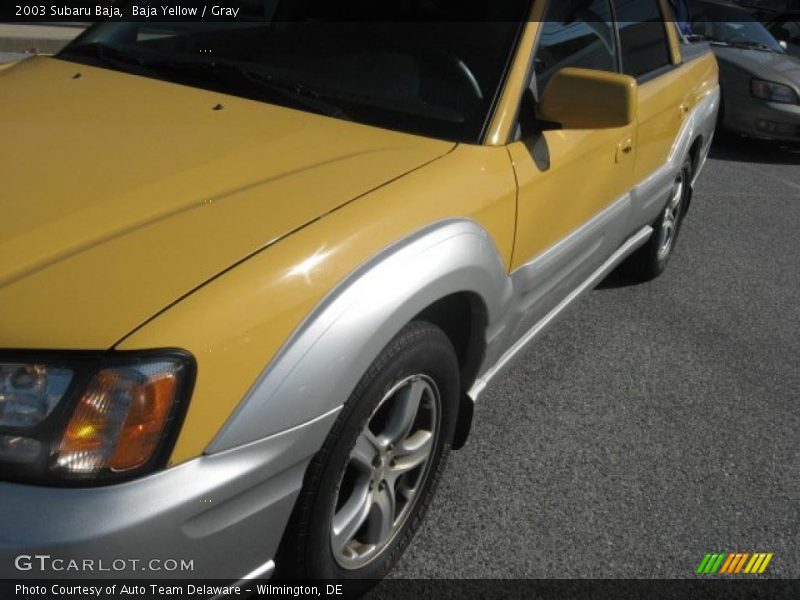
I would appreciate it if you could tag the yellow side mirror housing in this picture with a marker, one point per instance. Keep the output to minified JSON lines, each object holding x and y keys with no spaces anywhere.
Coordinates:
{"x":589,"y":99}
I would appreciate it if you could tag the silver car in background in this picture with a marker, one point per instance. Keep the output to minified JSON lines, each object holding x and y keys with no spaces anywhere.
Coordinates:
{"x":760,"y":80}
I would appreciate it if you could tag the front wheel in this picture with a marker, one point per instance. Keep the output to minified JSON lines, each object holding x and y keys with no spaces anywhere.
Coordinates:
{"x":367,"y":489}
{"x":650,"y":261}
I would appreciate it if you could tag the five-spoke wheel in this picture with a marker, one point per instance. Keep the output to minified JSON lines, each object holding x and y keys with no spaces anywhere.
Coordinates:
{"x":387,"y":465}
{"x":671,"y":218}
{"x":367,"y":489}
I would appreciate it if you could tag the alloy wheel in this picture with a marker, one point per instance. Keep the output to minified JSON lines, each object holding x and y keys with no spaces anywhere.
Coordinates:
{"x":385,"y":472}
{"x":671,"y":219}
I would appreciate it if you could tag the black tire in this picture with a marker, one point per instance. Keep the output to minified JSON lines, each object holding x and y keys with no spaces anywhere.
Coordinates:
{"x":651,"y":260}
{"x":306,"y":551}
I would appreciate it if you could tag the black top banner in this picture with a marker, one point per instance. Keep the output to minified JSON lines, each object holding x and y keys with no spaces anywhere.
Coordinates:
{"x":88,"y":11}
{"x":262,"y":10}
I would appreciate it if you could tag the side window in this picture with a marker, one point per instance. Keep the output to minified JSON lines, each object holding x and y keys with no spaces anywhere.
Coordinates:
{"x":576,"y":33}
{"x":643,"y":36}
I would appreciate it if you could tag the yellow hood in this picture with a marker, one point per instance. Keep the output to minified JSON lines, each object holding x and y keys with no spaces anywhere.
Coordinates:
{"x":121,"y":194}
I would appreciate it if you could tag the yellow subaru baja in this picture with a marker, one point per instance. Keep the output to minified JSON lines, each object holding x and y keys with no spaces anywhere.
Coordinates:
{"x":255,"y":273}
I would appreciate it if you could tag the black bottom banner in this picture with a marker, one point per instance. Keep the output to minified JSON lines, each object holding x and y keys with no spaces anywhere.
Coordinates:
{"x":405,"y":589}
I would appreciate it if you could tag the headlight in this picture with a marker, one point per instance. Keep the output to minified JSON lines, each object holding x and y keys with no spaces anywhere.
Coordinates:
{"x":773,"y":92}
{"x":29,"y":392}
{"x":93,"y":419}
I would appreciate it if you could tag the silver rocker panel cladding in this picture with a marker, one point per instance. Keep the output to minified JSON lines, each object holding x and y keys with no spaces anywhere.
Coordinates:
{"x":545,"y":287}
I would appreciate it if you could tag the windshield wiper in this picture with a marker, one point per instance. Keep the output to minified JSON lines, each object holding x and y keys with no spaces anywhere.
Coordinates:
{"x":105,"y":54}
{"x":118,"y":58}
{"x":244,"y":74}
{"x":752,"y":45}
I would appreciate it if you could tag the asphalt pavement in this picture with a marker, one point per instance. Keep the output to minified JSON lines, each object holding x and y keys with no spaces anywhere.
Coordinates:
{"x":7,"y":57}
{"x":45,"y":39}
{"x":655,"y":422}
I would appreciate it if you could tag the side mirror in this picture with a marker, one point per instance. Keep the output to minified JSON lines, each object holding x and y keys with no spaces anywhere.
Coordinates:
{"x":589,"y":99}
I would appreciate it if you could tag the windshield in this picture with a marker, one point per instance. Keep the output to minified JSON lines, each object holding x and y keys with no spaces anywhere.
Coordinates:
{"x":417,"y":72}
{"x":732,"y":26}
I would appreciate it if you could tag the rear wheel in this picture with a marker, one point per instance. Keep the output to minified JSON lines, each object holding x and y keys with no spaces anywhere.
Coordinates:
{"x":367,"y":489}
{"x":651,"y":259}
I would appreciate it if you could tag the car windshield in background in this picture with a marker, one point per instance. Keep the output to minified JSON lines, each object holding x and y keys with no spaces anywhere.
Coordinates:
{"x":418,"y":71}
{"x":731,"y":26}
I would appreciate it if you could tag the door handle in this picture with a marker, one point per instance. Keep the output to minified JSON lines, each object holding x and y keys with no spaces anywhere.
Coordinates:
{"x":624,"y":149}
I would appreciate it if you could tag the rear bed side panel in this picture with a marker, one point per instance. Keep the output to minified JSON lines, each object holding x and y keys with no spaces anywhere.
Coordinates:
{"x":689,"y":96}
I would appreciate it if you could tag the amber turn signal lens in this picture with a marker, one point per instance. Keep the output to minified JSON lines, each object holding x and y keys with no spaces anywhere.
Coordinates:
{"x":146,"y":421}
{"x":120,"y":420}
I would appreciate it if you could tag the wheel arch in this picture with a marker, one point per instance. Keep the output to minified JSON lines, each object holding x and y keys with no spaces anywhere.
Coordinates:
{"x":695,"y":152}
{"x":463,"y":317}
{"x":447,"y":269}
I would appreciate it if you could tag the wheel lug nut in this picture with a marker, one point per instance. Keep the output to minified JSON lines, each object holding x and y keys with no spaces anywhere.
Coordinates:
{"x":393,"y":462}
{"x":381,"y":486}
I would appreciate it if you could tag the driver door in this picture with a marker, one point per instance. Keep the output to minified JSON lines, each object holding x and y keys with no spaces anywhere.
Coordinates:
{"x":572,"y":183}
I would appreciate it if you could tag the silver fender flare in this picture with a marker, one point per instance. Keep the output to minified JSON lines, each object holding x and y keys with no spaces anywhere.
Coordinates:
{"x":320,"y":365}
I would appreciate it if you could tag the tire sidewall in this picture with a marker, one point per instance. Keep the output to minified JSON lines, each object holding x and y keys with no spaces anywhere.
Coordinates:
{"x":430,"y":353}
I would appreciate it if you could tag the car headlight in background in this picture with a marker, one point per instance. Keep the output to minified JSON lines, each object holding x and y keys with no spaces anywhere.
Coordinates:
{"x":773,"y":92}
{"x":87,"y":419}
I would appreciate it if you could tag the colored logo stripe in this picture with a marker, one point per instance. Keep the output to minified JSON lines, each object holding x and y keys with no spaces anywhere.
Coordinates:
{"x":758,"y":563}
{"x":733,"y":563}
{"x":736,"y":563}
{"x":710,"y":563}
